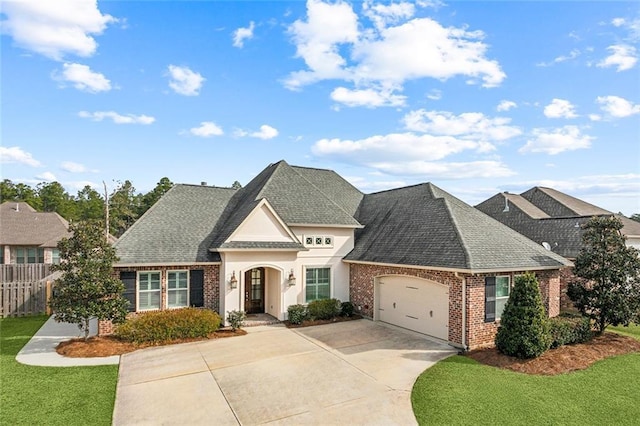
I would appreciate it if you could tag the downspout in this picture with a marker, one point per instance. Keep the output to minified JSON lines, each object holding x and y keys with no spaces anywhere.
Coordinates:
{"x":465,"y":348}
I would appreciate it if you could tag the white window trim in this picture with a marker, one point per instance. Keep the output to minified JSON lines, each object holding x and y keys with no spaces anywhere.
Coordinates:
{"x":304,"y":290}
{"x":168,"y":289}
{"x":147,"y":291}
{"x":502,"y":297}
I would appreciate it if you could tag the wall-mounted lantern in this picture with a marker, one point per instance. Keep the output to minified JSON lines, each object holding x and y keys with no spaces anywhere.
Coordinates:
{"x":233,"y":282}
{"x":292,"y":279}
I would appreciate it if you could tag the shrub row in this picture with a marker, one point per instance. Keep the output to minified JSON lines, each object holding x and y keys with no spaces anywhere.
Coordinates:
{"x":324,"y":309}
{"x":566,"y":330}
{"x":168,"y":325}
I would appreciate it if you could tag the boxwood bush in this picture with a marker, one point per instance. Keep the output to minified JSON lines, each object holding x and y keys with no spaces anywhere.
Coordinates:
{"x":347,"y":309}
{"x":324,"y":309}
{"x":297,"y":314}
{"x":566,"y":330}
{"x":168,"y":325}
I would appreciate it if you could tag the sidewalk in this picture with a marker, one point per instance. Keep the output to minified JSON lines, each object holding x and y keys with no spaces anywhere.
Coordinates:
{"x":41,"y":349}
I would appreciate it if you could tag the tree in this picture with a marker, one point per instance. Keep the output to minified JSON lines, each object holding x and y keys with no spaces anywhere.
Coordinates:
{"x":236,"y":185}
{"x":150,"y":198}
{"x":87,"y":289}
{"x":54,"y":198}
{"x":123,"y":208}
{"x":607,"y":288}
{"x":89,"y":204}
{"x":524,"y":326}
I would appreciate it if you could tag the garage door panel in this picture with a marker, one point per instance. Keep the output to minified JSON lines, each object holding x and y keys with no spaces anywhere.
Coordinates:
{"x":415,"y":304}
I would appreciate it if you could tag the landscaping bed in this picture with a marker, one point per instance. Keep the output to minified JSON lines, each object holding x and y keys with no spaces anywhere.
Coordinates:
{"x":563,"y":359}
{"x":110,"y":345}
{"x":309,"y":323}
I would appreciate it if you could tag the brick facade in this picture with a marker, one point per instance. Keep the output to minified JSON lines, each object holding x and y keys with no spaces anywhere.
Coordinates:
{"x":478,"y":333}
{"x":211,"y":287}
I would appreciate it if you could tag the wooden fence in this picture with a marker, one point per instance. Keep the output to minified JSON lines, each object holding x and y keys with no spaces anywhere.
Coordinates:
{"x":28,"y":272}
{"x":25,"y":298}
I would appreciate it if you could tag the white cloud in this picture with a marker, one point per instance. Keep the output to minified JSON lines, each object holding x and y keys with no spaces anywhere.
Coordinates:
{"x":505,"y":105}
{"x":207,"y":129}
{"x":562,"y":58}
{"x":631,"y":25}
{"x":47,"y":176}
{"x":617,"y":107}
{"x":560,"y":108}
{"x":15,"y":154}
{"x":242,"y":34}
{"x":623,"y":56}
{"x":117,"y":118}
{"x":435,"y":95}
{"x":185,"y":81}
{"x":371,"y":185}
{"x":567,"y":138}
{"x":469,"y":125}
{"x":595,"y":117}
{"x":55,"y":28}
{"x":445,"y":170}
{"x":397,"y":49}
{"x":83,"y":78}
{"x":265,"y":132}
{"x":71,"y":167}
{"x":370,"y":98}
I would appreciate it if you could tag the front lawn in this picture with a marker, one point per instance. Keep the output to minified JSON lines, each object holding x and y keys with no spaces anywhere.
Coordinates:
{"x":50,"y":395}
{"x":632,"y":330}
{"x":460,"y":390}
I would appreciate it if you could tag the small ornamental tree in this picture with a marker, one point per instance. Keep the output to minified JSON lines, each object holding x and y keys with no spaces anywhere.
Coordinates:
{"x":607,"y":288}
{"x":524,"y":326}
{"x":86,"y":288}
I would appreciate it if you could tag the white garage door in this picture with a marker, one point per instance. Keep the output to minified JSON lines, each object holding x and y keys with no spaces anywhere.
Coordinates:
{"x":413,"y":303}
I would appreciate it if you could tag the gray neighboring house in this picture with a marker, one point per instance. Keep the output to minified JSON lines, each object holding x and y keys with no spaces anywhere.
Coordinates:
{"x":28,"y":236}
{"x":415,"y":257}
{"x":553,"y":219}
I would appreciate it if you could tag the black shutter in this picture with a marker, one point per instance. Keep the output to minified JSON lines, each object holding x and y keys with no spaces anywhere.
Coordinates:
{"x":489,"y":299}
{"x":196,"y":288}
{"x":129,"y":280}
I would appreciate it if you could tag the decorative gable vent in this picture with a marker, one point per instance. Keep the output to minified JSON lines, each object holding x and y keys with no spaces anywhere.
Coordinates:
{"x":318,"y":241}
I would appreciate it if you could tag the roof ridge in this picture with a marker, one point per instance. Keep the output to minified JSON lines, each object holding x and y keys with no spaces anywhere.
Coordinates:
{"x":456,"y":229}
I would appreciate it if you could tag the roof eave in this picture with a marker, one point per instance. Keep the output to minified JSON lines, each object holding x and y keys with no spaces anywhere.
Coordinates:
{"x":461,"y":270}
{"x":323,"y":225}
{"x":160,"y":264}
{"x":227,"y":250}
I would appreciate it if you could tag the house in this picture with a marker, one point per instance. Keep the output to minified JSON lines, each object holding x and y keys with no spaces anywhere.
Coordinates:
{"x":554,"y":220}
{"x":29,"y":236}
{"x":415,"y":257}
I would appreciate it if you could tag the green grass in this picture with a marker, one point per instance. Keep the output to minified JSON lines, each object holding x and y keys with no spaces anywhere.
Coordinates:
{"x":459,"y":390}
{"x":50,"y":395}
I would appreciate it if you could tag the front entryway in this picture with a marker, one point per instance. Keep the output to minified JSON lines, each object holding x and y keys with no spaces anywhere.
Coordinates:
{"x":254,"y":291}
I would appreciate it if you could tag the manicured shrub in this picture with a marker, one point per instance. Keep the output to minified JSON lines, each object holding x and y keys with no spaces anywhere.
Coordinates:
{"x":347,"y":309}
{"x":168,"y":325}
{"x":566,"y":330}
{"x":324,"y":309}
{"x":297,"y":314}
{"x":524,"y":326}
{"x":236,"y":319}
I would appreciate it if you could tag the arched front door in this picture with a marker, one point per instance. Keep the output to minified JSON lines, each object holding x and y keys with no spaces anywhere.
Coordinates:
{"x":254,"y":291}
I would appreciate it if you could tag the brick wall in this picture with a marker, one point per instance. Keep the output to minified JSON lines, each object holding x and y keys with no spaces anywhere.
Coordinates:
{"x":478,"y":333}
{"x":211,"y":287}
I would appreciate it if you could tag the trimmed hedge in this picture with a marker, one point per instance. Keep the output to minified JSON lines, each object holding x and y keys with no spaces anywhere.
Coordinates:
{"x":168,"y":325}
{"x":324,"y":309}
{"x":297,"y":314}
{"x":347,"y":309}
{"x":566,"y":330}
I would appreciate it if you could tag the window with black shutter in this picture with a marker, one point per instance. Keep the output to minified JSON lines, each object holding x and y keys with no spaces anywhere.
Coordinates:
{"x":196,"y":288}
{"x":129,"y":280}
{"x":489,"y":299}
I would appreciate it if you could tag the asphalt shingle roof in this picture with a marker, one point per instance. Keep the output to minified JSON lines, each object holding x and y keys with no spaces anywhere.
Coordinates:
{"x":558,"y":204}
{"x":22,"y":225}
{"x":425,"y":226}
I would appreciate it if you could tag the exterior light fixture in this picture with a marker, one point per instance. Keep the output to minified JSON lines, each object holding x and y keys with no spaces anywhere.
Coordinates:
{"x":292,"y":279}
{"x":233,"y":282}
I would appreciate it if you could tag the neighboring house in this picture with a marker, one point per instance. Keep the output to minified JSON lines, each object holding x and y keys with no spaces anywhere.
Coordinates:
{"x":554,"y":220}
{"x":29,"y":236}
{"x":416,"y":257}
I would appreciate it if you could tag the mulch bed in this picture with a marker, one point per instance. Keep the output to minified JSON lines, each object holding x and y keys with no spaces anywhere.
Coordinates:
{"x":563,"y":359}
{"x":111,"y":345}
{"x":309,"y":323}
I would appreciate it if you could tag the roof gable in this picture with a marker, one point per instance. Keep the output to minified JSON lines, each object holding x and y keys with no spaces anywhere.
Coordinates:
{"x":558,"y":204}
{"x":262,"y":224}
{"x":22,"y":225}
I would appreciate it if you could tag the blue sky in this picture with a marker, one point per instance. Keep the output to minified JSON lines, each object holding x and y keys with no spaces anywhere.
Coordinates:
{"x":476,"y":97}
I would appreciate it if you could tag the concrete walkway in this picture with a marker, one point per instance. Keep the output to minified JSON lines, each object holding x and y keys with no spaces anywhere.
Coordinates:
{"x":357,"y":372}
{"x":41,"y":349}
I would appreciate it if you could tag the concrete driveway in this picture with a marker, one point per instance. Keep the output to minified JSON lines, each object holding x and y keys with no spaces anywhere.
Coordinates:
{"x":355,"y":372}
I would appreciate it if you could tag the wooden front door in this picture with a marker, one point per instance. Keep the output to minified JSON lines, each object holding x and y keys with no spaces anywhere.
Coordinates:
{"x":254,"y":291}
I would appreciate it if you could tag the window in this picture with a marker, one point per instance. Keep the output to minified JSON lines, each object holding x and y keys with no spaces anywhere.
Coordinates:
{"x":148,"y":290}
{"x":55,"y":256}
{"x":1,"y":255}
{"x":177,"y":289}
{"x":496,"y":294}
{"x":318,"y":284}
{"x":502,"y":294}
{"x":29,"y":255}
{"x":318,"y":241}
